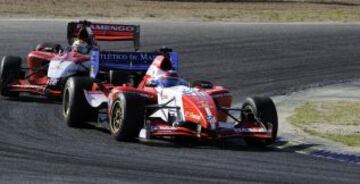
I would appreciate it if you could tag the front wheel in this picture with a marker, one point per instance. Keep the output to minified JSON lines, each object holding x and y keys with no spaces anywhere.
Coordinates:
{"x":127,"y":116}
{"x":9,"y":70}
{"x":264,"y":110}
{"x":76,"y":109}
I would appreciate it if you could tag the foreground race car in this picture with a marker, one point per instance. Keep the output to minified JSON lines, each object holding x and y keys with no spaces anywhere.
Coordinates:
{"x":49,"y":66}
{"x":162,"y":104}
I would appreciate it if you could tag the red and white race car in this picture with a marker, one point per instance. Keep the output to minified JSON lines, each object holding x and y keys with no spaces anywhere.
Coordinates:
{"x":162,"y":103}
{"x":49,"y":66}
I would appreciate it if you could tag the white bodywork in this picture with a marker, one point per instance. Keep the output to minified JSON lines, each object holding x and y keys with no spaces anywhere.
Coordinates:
{"x":63,"y":68}
{"x":95,"y":98}
{"x":172,"y":97}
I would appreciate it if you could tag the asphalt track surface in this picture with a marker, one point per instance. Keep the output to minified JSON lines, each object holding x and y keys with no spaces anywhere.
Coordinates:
{"x":37,"y":147}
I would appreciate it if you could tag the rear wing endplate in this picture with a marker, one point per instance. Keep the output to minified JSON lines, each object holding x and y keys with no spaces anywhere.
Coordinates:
{"x":131,"y":61}
{"x":106,"y":32}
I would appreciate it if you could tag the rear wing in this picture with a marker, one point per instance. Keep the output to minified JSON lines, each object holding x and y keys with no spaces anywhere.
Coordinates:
{"x":106,"y":32}
{"x":131,"y":61}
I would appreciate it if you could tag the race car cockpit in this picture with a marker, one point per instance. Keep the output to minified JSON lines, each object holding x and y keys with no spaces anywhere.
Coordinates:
{"x":169,"y":79}
{"x":167,"y":82}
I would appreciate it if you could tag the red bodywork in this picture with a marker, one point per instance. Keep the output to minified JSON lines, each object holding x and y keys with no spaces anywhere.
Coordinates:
{"x":36,"y":81}
{"x":195,"y":106}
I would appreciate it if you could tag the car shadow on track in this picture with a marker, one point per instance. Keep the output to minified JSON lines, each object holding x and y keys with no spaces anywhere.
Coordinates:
{"x":34,"y":99}
{"x":92,"y":126}
{"x":291,"y":147}
{"x":235,"y":144}
{"x":231,"y":145}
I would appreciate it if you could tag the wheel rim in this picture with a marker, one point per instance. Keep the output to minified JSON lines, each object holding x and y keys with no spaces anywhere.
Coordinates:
{"x":66,"y":102}
{"x":117,"y":118}
{"x":249,"y":107}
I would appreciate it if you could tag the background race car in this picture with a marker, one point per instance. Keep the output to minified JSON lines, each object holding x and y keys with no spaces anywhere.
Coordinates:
{"x":162,"y":103}
{"x":49,"y":65}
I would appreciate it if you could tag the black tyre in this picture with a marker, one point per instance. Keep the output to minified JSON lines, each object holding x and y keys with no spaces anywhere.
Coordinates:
{"x":127,"y":116}
{"x":48,"y":47}
{"x":119,"y":77}
{"x":76,"y":109}
{"x":202,"y":84}
{"x":9,"y":70}
{"x":264,"y":110}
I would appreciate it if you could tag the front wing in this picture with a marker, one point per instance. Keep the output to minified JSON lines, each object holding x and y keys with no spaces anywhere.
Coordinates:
{"x":223,"y":131}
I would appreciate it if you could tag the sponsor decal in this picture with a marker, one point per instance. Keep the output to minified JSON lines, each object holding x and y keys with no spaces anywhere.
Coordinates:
{"x":193,"y":115}
{"x":251,"y":130}
{"x":212,"y":121}
{"x":94,"y":60}
{"x":109,"y":27}
{"x":126,"y":60}
{"x":53,"y":82}
{"x":163,"y":128}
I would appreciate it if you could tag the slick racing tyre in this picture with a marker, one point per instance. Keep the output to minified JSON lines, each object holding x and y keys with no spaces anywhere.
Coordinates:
{"x":48,"y":47}
{"x":202,"y":84}
{"x":9,"y":70}
{"x":264,"y":109}
{"x":127,"y":116}
{"x":76,"y":109}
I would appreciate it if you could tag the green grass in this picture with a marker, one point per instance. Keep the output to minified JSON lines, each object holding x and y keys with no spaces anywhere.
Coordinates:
{"x":350,"y":140}
{"x":338,"y":113}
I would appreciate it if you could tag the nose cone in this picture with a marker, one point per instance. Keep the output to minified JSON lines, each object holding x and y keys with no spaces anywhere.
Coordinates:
{"x":199,"y":107}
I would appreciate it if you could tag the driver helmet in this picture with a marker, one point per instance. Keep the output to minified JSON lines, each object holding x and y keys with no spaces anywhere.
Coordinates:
{"x":170,"y":79}
{"x":83,"y":34}
{"x":81,"y":45}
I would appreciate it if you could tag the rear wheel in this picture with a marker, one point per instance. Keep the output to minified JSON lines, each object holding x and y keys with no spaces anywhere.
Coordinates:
{"x":76,"y":109}
{"x":264,"y":110}
{"x":127,"y":116}
{"x":9,"y":70}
